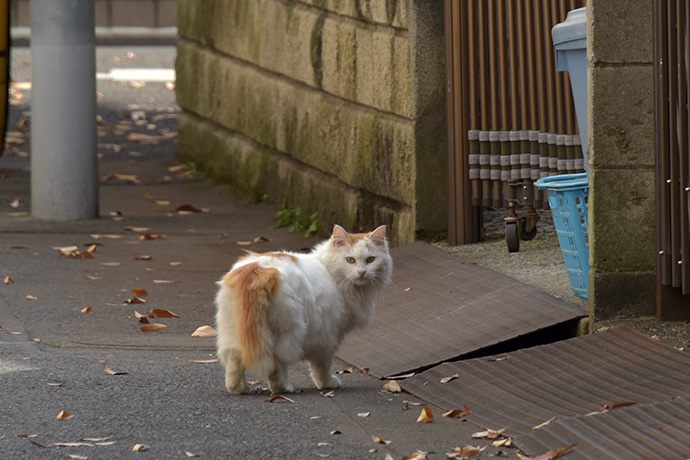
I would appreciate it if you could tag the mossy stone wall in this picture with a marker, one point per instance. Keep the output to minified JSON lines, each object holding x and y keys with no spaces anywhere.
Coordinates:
{"x":335,"y":106}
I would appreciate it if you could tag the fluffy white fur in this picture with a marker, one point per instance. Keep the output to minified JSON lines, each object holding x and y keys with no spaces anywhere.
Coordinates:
{"x":298,"y":307}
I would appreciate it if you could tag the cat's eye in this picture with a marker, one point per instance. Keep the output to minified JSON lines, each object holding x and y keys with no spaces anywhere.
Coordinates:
{"x":350,"y":260}
{"x":370,"y":259}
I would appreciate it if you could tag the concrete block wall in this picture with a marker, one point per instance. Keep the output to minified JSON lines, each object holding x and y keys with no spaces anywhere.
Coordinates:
{"x":335,"y":106}
{"x":622,"y":155}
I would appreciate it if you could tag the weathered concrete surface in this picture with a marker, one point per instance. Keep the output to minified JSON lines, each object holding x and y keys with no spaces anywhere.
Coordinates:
{"x":352,"y":90}
{"x":621,"y":155}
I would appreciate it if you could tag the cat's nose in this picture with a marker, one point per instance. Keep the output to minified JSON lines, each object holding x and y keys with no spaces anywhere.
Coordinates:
{"x":362,"y":273}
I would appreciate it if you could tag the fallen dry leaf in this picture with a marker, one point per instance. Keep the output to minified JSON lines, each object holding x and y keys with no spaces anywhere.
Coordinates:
{"x":153,"y":327}
{"x":87,"y":310}
{"x":335,"y":432}
{"x":448,"y":379}
{"x":129,"y":228}
{"x":163,"y":202}
{"x":542,"y":425}
{"x":278,"y":398}
{"x":164,"y":281}
{"x":488,"y":434}
{"x":14,"y":204}
{"x":149,"y":236}
{"x":426,"y":416}
{"x":175,"y":264}
{"x":160,"y":313}
{"x":457,"y":413}
{"x":244,"y":243}
{"x":328,"y":394}
{"x":608,"y":407}
{"x":189,"y":454}
{"x":143,"y":257}
{"x":178,"y":168}
{"x":140,"y":292}
{"x":31,"y":297}
{"x":187,"y":208}
{"x":140,"y":448}
{"x":97,"y":236}
{"x":505,"y":442}
{"x":144,"y":138}
{"x":204,"y":331}
{"x":379,"y":440}
{"x":8,"y":280}
{"x":549,"y":455}
{"x":78,"y":457}
{"x":134,"y":299}
{"x":107,"y":369}
{"x":464,"y":452}
{"x":388,"y":456}
{"x":92,"y":278}
{"x":392,"y":387}
{"x":64,"y":415}
{"x":364,"y":414}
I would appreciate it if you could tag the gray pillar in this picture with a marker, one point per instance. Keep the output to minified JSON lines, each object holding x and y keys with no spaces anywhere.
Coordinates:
{"x":64,"y":169}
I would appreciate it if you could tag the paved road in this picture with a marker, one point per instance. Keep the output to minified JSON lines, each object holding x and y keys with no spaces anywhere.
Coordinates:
{"x":170,"y":398}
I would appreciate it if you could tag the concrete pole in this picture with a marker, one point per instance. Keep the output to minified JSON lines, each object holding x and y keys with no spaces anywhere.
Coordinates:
{"x":64,"y":169}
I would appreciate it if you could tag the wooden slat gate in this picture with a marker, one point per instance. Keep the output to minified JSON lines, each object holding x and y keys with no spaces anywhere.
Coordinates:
{"x":510,"y":114}
{"x":672,"y":49}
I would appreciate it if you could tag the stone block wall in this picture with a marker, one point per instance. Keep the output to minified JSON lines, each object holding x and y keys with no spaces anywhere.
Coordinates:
{"x":336,"y":107}
{"x":621,"y":154}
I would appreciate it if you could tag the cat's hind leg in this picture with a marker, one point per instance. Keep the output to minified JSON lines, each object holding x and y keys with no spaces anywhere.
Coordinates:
{"x":278,"y":379}
{"x":321,"y":373}
{"x":235,"y":380}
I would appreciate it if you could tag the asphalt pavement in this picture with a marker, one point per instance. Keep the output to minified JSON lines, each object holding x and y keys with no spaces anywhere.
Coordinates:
{"x":62,"y":317}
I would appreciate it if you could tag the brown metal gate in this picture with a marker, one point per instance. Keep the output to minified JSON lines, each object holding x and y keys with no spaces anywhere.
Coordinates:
{"x":673,"y":157}
{"x":511,"y":116}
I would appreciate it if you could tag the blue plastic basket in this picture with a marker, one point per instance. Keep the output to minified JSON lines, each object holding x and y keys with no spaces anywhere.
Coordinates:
{"x":568,"y":198}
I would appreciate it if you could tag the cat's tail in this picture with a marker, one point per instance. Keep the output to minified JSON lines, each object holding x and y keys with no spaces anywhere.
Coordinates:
{"x":253,"y":287}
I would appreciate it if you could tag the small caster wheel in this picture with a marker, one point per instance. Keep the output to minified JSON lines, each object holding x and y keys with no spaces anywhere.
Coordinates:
{"x":526,"y":236}
{"x":512,"y":237}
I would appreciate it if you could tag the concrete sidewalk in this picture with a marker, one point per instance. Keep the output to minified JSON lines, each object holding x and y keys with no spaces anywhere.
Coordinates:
{"x":172,"y":398}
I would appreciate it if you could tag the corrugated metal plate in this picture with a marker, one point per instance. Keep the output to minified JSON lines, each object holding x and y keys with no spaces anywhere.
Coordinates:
{"x":578,"y":376}
{"x":440,"y":307}
{"x":643,"y":432}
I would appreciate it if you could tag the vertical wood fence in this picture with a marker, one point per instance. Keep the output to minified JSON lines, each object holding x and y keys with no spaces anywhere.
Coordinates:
{"x":511,"y":116}
{"x":672,"y":50}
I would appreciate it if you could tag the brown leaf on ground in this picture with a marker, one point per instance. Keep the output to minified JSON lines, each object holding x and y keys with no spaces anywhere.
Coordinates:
{"x":205,"y":331}
{"x":140,"y":448}
{"x":87,"y":310}
{"x":379,"y":440}
{"x":187,"y":208}
{"x":608,"y":407}
{"x":144,"y":138}
{"x":8,"y":280}
{"x":392,"y":387}
{"x":143,"y":257}
{"x":426,"y":416}
{"x":160,"y":313}
{"x":140,"y":292}
{"x":464,"y":452}
{"x":129,"y":228}
{"x":31,"y":297}
{"x":457,"y":413}
{"x":279,"y":398}
{"x":448,"y":379}
{"x":107,"y":369}
{"x":149,"y":236}
{"x":488,"y":434}
{"x":542,"y":425}
{"x":550,"y":455}
{"x":64,"y":415}
{"x":153,"y":327}
{"x":134,"y":299}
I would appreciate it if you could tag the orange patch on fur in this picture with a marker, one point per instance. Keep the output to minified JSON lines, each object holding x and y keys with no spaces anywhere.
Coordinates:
{"x":254,"y":286}
{"x":352,"y":238}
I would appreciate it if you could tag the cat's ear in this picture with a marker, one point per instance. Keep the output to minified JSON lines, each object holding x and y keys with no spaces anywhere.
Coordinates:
{"x":378,"y":236}
{"x":339,"y":237}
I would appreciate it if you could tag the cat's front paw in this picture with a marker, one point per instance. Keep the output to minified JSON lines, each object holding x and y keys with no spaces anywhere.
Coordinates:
{"x":281,"y":388}
{"x":331,"y":383}
{"x":239,"y":389}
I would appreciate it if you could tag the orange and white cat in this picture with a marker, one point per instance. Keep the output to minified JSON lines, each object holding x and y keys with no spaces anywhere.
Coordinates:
{"x":278,"y":308}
